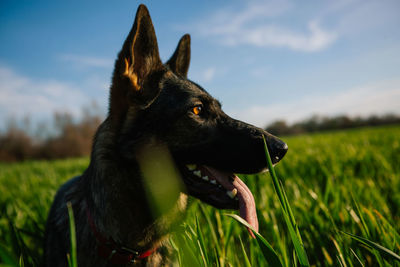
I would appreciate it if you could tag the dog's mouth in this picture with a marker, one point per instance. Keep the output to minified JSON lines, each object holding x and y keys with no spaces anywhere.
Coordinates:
{"x":221,"y":189}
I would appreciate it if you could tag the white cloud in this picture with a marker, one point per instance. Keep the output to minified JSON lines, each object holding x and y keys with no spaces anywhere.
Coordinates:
{"x":87,"y":61}
{"x":252,"y":26}
{"x":361,"y":16}
{"x":378,"y":98}
{"x":21,"y":96}
{"x":270,"y":35}
{"x":206,"y":74}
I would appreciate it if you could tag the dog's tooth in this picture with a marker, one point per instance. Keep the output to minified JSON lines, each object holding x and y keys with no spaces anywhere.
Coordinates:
{"x":213,"y":181}
{"x":205,"y":178}
{"x":191,"y":167}
{"x":233,"y":193}
{"x":197,"y":173}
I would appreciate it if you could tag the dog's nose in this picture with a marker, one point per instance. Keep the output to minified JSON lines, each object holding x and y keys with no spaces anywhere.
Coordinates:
{"x":278,"y":149}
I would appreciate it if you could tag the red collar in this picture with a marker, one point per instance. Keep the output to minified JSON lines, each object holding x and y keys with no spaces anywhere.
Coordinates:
{"x":111,"y":250}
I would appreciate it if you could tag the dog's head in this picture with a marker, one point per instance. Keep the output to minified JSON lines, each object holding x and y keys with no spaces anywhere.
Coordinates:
{"x":152,"y":99}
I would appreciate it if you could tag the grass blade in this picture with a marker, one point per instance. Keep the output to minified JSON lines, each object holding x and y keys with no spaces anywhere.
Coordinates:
{"x":274,"y":177}
{"x":73,"y":259}
{"x":339,"y":256}
{"x":228,"y":237}
{"x":287,"y":212}
{"x":269,"y":253}
{"x":201,"y":243}
{"x":374,"y":245}
{"x":365,"y":227}
{"x":294,"y":259}
{"x":21,"y":261}
{"x":246,"y":259}
{"x":187,"y":249}
{"x":212,"y":229}
{"x":358,"y":259}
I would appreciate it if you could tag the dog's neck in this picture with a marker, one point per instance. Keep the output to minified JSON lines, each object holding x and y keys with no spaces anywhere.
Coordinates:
{"x":117,"y":198}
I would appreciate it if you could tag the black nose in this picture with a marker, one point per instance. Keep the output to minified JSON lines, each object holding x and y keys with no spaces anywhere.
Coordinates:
{"x":278,"y":149}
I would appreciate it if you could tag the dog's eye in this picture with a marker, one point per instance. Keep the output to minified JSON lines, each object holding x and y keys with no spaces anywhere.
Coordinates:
{"x":197,"y":109}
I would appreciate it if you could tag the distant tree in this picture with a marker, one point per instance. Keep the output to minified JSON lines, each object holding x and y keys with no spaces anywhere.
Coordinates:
{"x":73,"y":139}
{"x":15,"y":144}
{"x":279,"y":127}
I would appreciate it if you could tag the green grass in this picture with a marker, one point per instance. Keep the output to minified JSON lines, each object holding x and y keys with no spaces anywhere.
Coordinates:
{"x":343,"y":188}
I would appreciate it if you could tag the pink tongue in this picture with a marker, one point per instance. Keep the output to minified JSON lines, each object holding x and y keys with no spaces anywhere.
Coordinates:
{"x":247,"y":205}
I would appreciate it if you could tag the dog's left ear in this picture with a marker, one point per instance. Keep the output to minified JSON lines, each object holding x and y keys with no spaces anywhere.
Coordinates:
{"x":180,"y":60}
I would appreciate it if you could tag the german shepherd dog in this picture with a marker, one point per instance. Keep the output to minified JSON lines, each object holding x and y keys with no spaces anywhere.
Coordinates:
{"x":153,"y":109}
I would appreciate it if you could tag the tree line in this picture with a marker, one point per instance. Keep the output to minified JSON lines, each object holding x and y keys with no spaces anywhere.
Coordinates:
{"x":320,"y":123}
{"x":68,"y":137}
{"x":65,"y":137}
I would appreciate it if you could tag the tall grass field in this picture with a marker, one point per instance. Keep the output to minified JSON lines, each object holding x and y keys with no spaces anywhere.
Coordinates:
{"x":342,"y":189}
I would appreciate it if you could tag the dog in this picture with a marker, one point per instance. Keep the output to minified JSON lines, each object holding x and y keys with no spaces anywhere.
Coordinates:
{"x":155,"y":115}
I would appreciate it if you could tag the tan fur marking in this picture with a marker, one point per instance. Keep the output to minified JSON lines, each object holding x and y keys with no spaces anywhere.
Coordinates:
{"x":129,"y":70}
{"x":126,"y":72}
{"x":134,"y":79}
{"x":131,"y":75}
{"x":182,"y":202}
{"x":169,"y":74}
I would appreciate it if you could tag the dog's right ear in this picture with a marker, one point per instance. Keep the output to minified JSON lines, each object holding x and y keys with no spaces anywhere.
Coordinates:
{"x":180,"y":60}
{"x":137,"y":68}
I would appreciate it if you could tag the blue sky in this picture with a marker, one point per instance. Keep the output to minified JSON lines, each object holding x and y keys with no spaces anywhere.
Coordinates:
{"x":264,"y":60}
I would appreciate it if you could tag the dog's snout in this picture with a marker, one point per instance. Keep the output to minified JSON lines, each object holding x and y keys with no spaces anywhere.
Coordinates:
{"x":278,"y":149}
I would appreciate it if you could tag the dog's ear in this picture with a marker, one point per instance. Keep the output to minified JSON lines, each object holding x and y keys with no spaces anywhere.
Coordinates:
{"x":137,"y":68}
{"x":140,"y":51}
{"x":180,"y":60}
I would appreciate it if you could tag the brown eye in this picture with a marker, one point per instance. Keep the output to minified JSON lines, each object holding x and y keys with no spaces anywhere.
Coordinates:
{"x":197,"y":110}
